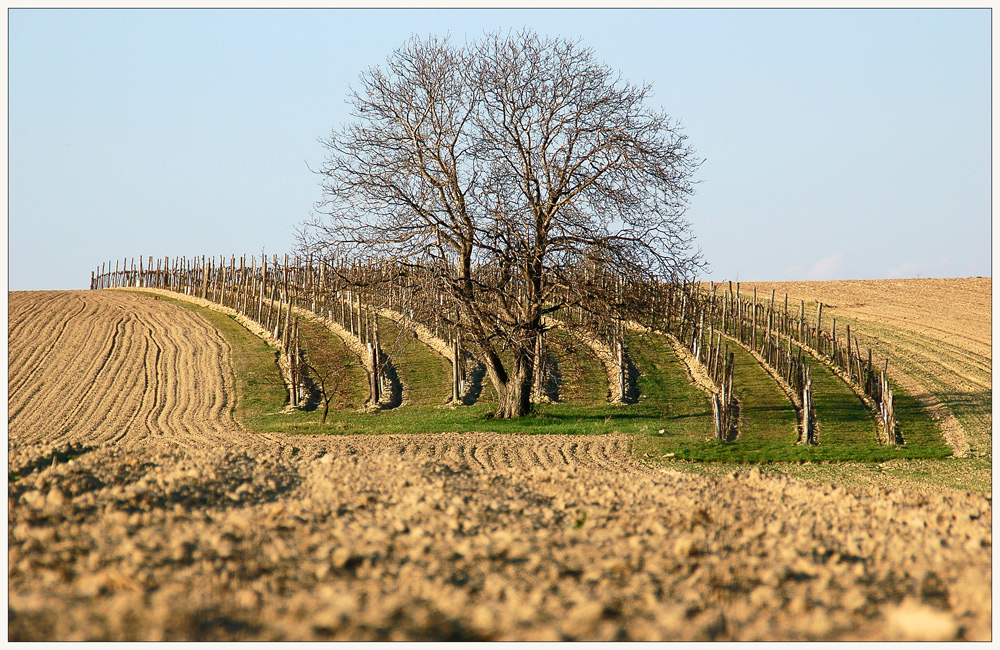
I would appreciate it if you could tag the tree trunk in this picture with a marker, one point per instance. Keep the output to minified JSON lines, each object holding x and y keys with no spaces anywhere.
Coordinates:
{"x":515,"y":400}
{"x":513,"y":388}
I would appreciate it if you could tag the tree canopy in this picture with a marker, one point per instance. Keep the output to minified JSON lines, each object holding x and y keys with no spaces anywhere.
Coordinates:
{"x":516,"y":167}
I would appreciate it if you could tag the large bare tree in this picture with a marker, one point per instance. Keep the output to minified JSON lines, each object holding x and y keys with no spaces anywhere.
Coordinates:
{"x":512,"y":165}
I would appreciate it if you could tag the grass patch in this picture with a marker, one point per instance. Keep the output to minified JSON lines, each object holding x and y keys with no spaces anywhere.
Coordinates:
{"x":425,"y":374}
{"x":345,"y":375}
{"x":582,"y":378}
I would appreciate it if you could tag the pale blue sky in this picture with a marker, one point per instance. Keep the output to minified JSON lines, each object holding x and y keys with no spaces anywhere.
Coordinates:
{"x":838,"y":143}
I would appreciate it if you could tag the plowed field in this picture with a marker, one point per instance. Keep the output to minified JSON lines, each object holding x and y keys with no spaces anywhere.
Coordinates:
{"x":111,"y":367}
{"x":936,"y":332}
{"x":139,"y":510}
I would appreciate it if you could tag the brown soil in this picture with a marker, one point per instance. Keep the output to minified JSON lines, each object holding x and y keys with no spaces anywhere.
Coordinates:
{"x":138,"y":510}
{"x":936,"y":333}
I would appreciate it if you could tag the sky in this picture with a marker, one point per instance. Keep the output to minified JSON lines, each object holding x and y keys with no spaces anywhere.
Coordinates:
{"x":837,"y":144}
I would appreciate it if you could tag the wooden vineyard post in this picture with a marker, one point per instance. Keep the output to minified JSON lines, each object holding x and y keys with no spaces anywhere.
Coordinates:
{"x":204,"y":279}
{"x":378,"y":358}
{"x":833,"y":340}
{"x":373,"y":376}
{"x":802,"y":320}
{"x":222,"y":283}
{"x":620,"y":342}
{"x":728,"y":391}
{"x":850,"y":357}
{"x":260,"y":292}
{"x":717,"y":414}
{"x":784,"y":324}
{"x":819,"y":327}
{"x":291,"y":352}
{"x":888,"y":406}
{"x":807,"y":407}
{"x":770,"y":320}
{"x":286,"y":298}
{"x":456,"y":389}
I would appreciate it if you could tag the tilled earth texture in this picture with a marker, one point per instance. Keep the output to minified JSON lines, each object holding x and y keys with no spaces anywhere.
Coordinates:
{"x":138,"y":510}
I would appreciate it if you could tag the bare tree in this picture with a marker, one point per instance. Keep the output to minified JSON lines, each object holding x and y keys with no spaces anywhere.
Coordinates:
{"x":516,"y":167}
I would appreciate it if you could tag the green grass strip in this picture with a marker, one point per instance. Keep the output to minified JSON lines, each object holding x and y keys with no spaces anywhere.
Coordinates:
{"x":582,"y":378}
{"x":426,"y":375}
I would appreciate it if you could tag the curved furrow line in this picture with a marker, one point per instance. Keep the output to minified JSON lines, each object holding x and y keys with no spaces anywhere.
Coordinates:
{"x":470,"y":454}
{"x":64,"y":420}
{"x":37,"y":321}
{"x":182,"y":373}
{"x":91,"y":403}
{"x":192,"y":414}
{"x":27,"y":317}
{"x":118,"y":412}
{"x":530,"y":456}
{"x":189,"y":401}
{"x":200,"y":414}
{"x":221,"y":405}
{"x":507,"y":460}
{"x":545,"y":454}
{"x":562,"y":448}
{"x":501,"y":455}
{"x":31,"y":409}
{"x":157,"y":400}
{"x":481,"y":454}
{"x":165,"y":418}
{"x":25,"y":362}
{"x":606,"y":455}
{"x":131,"y":422}
{"x":455,"y":453}
{"x":623,"y":456}
{"x":121,"y":386}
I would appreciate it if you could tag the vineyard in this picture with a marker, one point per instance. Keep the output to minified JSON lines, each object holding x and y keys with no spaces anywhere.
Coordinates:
{"x":409,"y":340}
{"x":163,"y":486}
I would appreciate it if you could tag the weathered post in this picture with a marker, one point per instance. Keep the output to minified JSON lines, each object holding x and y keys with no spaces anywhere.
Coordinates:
{"x":819,"y":327}
{"x":717,"y":414}
{"x":802,"y":320}
{"x":455,"y":387}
